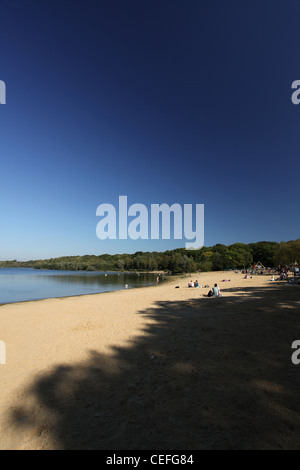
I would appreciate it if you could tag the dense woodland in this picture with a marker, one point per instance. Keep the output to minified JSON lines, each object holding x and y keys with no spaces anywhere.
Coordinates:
{"x":215,"y":258}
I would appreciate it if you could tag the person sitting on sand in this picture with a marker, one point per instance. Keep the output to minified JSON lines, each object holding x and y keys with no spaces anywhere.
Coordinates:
{"x":216,"y":291}
{"x":196,"y":284}
{"x":191,"y":284}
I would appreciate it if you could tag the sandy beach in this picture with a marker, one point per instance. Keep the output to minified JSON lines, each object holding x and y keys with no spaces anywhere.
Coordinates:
{"x":156,"y":368}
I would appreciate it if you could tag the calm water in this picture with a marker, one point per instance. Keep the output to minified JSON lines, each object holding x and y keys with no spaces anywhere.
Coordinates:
{"x":20,"y":284}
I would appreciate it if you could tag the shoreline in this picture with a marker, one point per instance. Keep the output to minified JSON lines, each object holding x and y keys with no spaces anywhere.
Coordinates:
{"x":166,"y":279}
{"x":75,"y":296}
{"x":85,"y":270}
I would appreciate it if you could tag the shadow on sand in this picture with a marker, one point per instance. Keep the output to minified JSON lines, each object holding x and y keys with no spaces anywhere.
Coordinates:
{"x":208,"y":374}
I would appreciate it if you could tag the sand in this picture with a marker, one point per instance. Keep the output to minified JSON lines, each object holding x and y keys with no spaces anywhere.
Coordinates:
{"x":155,"y":368}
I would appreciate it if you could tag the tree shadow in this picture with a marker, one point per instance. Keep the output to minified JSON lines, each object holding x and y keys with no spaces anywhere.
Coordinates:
{"x":204,"y":374}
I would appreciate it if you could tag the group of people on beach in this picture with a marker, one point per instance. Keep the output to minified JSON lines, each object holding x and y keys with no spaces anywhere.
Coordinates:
{"x":214,"y":292}
{"x":284,"y":273}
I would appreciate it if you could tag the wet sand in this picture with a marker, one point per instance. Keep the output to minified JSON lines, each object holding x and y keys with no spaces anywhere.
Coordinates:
{"x":156,"y":368}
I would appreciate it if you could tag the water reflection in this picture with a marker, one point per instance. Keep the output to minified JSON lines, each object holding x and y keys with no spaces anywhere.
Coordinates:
{"x":28,"y":284}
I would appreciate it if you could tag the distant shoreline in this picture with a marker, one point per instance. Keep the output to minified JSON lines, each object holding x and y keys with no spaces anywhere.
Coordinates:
{"x":218,"y":257}
{"x":88,"y":271}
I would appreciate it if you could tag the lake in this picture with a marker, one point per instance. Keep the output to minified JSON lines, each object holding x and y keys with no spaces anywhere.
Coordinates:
{"x":23,"y":284}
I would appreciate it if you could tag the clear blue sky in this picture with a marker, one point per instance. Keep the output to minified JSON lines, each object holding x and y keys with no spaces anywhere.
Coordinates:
{"x":162,"y":101}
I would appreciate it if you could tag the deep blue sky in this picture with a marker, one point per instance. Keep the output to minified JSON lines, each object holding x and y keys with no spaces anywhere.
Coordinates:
{"x":162,"y":101}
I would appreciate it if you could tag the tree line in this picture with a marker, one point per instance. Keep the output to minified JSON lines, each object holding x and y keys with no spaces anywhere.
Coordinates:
{"x":216,"y":258}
